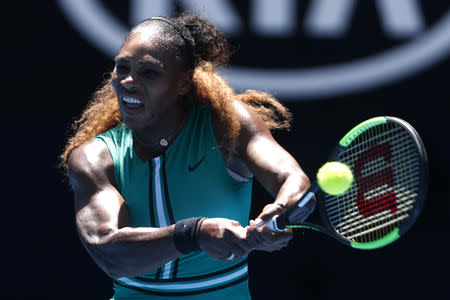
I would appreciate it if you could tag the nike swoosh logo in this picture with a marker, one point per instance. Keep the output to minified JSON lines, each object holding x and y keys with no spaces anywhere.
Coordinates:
{"x":192,"y":168}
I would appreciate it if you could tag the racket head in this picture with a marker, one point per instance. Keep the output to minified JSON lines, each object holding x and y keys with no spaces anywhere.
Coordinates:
{"x":390,"y":170}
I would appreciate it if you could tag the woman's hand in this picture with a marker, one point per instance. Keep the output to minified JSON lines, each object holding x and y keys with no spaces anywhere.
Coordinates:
{"x":274,"y":209}
{"x":268,"y":212}
{"x":223,"y":239}
{"x":261,"y":238}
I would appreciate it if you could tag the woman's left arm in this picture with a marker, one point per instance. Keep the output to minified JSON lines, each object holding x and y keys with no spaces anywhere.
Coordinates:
{"x":276,"y":170}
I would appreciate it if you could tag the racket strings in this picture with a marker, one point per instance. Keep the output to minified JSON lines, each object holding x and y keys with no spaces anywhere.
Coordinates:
{"x":353,"y":213}
{"x":386,"y":162}
{"x":373,"y":165}
{"x":389,"y":220}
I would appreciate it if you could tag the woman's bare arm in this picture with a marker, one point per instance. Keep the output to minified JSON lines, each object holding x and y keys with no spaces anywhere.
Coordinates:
{"x":102,"y":218}
{"x":102,"y":222}
{"x":275,"y":169}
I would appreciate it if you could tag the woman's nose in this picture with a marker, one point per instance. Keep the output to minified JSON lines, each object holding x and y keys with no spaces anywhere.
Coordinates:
{"x":129,"y":83}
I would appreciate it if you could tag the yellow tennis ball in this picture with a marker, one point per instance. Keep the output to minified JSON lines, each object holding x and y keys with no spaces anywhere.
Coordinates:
{"x":335,"y":178}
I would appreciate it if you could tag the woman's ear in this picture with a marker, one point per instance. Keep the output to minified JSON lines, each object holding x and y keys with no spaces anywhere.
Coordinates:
{"x":185,"y":83}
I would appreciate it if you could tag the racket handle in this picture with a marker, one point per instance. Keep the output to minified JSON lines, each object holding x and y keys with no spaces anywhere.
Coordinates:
{"x":273,"y":225}
{"x":278,"y":223}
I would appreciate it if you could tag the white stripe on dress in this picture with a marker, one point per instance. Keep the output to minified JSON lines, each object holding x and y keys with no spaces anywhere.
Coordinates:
{"x":160,"y":210}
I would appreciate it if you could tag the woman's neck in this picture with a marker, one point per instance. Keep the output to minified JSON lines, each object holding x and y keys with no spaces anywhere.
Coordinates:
{"x":151,"y":142}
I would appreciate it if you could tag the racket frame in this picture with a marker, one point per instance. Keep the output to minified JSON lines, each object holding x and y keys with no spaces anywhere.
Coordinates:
{"x":278,"y":223}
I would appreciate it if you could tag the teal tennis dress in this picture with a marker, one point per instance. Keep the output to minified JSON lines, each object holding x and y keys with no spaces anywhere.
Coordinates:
{"x":190,"y":179}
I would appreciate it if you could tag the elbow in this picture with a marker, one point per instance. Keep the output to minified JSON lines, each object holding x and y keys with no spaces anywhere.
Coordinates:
{"x":305,"y":183}
{"x":302,"y":178}
{"x":114,"y":269}
{"x":116,"y":266}
{"x":110,"y":266}
{"x":108,"y":259}
{"x":112,"y":273}
{"x":106,"y":255}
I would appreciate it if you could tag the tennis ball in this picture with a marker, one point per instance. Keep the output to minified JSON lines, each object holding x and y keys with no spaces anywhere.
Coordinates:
{"x":334,"y":178}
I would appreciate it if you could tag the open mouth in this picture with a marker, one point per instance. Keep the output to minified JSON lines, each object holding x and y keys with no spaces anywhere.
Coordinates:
{"x":132,"y":102}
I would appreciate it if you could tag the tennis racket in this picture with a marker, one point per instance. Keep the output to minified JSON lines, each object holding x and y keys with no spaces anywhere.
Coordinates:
{"x":390,"y":170}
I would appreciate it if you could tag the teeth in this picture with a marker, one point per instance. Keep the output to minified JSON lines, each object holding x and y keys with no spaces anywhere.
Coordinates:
{"x":132,"y":100}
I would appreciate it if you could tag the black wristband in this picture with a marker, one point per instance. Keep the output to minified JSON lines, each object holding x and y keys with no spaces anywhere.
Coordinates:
{"x":185,"y":235}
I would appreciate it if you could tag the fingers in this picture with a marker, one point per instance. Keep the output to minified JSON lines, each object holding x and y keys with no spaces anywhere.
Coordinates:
{"x":237,"y":252}
{"x":266,"y":240}
{"x":235,"y":244}
{"x":273,"y":209}
{"x":229,"y":251}
{"x":276,"y":241}
{"x":227,"y":240}
{"x":224,"y":239}
{"x":268,"y":212}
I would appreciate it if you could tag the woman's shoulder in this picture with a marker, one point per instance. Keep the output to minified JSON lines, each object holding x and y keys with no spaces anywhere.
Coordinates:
{"x":234,"y":158}
{"x":249,"y":121}
{"x":90,"y":161}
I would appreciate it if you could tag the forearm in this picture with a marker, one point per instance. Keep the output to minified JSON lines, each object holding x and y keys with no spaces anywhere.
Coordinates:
{"x":132,"y":251}
{"x":292,"y":188}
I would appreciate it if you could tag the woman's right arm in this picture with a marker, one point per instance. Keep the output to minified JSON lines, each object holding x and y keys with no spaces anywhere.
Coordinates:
{"x":102,"y":222}
{"x":102,"y":218}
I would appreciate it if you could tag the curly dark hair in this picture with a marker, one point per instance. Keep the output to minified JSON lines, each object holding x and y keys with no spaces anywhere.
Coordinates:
{"x":210,"y":52}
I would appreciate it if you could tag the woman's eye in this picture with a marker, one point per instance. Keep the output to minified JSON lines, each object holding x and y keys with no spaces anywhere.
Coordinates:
{"x":149,"y":73}
{"x":122,"y":68}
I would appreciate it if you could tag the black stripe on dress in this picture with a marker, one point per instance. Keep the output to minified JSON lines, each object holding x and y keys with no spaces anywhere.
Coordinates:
{"x":196,"y":292}
{"x":198,"y":277}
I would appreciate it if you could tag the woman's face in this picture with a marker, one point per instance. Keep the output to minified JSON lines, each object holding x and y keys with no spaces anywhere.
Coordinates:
{"x":148,"y":81}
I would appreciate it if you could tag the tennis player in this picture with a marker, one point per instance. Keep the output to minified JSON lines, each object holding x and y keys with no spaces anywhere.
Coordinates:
{"x":161,"y":163}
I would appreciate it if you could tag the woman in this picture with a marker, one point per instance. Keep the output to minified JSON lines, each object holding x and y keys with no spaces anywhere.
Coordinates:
{"x":161,"y":165}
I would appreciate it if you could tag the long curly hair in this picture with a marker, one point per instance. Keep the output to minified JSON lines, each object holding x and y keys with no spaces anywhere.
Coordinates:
{"x":210,"y":52}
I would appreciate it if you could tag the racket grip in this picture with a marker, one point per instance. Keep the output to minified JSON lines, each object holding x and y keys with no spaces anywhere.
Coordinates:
{"x":278,"y":223}
{"x":273,"y":225}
